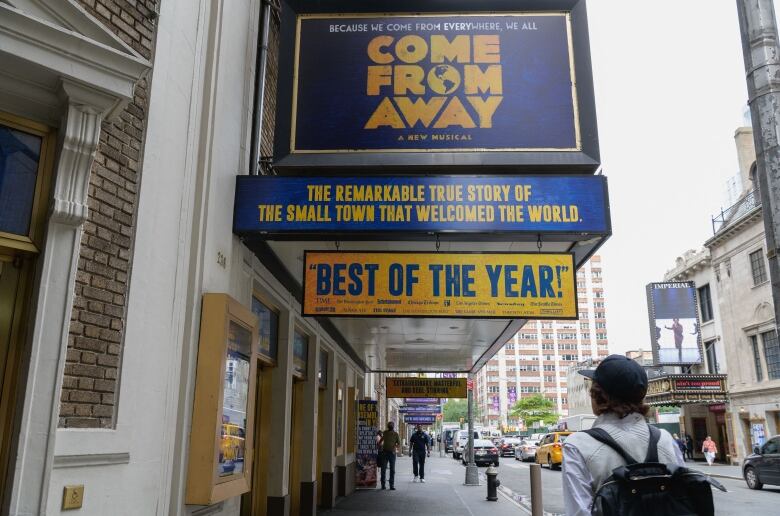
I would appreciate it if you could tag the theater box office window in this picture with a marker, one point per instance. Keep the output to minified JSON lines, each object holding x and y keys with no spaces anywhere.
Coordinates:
{"x":221,"y":446}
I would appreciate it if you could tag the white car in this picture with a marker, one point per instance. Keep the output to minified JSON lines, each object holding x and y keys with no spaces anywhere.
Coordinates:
{"x":525,"y":450}
{"x":460,"y":441}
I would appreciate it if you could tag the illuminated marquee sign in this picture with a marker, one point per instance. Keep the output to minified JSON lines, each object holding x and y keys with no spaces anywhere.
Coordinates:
{"x":415,"y":83}
{"x":419,"y":420}
{"x":439,"y":284}
{"x":420,"y":409}
{"x":425,"y":387}
{"x":550,"y":204}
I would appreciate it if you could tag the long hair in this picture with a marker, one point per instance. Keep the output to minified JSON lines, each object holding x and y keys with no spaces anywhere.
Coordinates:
{"x":603,"y":403}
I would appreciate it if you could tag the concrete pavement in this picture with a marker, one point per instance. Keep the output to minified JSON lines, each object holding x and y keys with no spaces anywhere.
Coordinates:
{"x":443,"y":494}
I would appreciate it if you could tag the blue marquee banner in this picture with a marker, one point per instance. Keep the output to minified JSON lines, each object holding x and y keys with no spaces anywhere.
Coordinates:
{"x":419,"y":420}
{"x":550,"y":204}
{"x":415,"y":83}
{"x":420,"y":409}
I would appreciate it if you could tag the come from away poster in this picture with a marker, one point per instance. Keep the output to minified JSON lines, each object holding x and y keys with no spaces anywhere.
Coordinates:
{"x":414,"y":83}
{"x":439,"y":284}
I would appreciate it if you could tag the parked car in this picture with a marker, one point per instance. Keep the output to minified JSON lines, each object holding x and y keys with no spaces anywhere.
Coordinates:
{"x":507,"y":446}
{"x":459,"y":441}
{"x":763,"y":466}
{"x":485,"y":452}
{"x":525,"y":450}
{"x":550,"y":449}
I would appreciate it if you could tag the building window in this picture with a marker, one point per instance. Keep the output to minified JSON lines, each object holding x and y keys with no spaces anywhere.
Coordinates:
{"x":493,"y":388}
{"x":509,"y":346}
{"x":712,"y":361}
{"x":771,"y":354}
{"x":757,"y":267}
{"x":756,"y":358}
{"x":705,"y":303}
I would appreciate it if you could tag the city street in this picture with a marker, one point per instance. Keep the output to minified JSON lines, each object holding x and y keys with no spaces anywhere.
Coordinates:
{"x":515,"y":478}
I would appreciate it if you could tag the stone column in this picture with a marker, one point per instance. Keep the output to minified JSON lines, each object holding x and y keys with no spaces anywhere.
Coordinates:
{"x":83,"y":112}
{"x":278,"y":503}
{"x":327,"y":451}
{"x":307,"y":418}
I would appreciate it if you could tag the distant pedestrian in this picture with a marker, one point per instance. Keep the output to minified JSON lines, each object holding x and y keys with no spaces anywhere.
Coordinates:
{"x":617,"y":397}
{"x":680,"y":443}
{"x":709,"y":449}
{"x":419,"y":448}
{"x":390,"y":442}
{"x":689,"y":446}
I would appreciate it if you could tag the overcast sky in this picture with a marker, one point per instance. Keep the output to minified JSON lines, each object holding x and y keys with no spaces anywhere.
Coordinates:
{"x":670,"y":92}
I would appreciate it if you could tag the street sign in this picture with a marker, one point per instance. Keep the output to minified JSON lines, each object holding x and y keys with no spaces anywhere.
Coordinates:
{"x":439,"y":284}
{"x":419,"y":420}
{"x":424,"y":387}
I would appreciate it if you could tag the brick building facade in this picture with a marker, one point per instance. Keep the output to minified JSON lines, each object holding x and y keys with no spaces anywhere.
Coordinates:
{"x":97,"y":325}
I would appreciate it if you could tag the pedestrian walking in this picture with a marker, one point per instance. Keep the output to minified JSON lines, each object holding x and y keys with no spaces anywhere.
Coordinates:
{"x":680,"y":443}
{"x":419,"y":448}
{"x":689,"y":446}
{"x":617,"y":392}
{"x":709,"y":449}
{"x":390,"y":443}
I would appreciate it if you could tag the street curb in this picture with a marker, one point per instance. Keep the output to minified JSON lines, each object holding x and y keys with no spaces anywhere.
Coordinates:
{"x":720,"y":475}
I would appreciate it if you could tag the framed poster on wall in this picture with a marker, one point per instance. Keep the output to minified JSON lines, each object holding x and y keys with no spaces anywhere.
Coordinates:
{"x":220,"y":464}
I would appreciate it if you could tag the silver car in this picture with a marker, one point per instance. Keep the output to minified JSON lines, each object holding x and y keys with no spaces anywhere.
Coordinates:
{"x":525,"y":450}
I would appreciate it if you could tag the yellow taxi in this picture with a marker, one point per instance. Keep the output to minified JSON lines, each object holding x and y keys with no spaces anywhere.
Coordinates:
{"x":550,"y":450}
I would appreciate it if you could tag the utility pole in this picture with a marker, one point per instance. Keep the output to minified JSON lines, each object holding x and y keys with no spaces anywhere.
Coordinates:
{"x":762,"y":67}
{"x":472,"y":472}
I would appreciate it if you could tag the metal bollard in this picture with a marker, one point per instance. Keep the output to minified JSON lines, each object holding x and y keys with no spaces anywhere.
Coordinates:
{"x":492,"y":484}
{"x":536,"y":490}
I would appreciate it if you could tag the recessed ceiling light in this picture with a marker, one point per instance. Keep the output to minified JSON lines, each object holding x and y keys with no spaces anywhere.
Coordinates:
{"x":453,"y":327}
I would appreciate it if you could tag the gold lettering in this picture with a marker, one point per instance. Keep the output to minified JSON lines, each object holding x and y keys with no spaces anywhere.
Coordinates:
{"x":476,"y":81}
{"x":378,"y":76}
{"x":420,"y":110}
{"x":456,"y":50}
{"x":486,"y":49}
{"x":485,"y":109}
{"x":412,"y":49}
{"x":375,"y":47}
{"x":385,"y":115}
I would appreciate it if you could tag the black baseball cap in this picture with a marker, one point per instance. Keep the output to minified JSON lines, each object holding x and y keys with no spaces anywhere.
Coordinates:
{"x":620,"y":377}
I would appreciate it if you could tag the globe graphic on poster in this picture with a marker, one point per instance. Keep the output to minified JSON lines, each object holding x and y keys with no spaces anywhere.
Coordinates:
{"x":443,"y":79}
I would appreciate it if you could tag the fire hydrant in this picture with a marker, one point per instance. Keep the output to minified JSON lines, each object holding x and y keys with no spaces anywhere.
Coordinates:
{"x":492,"y":484}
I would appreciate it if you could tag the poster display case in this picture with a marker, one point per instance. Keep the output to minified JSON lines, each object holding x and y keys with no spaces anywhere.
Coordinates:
{"x":220,"y":464}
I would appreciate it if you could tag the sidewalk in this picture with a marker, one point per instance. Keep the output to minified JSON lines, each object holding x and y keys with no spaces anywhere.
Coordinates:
{"x":717,"y":470}
{"x":443,"y":494}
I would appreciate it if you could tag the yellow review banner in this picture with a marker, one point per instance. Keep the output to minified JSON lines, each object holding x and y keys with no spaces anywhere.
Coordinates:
{"x":426,"y":387}
{"x":440,"y":284}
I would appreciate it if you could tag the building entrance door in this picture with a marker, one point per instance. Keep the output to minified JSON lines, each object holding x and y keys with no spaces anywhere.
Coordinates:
{"x":699,"y":434}
{"x":15,"y":272}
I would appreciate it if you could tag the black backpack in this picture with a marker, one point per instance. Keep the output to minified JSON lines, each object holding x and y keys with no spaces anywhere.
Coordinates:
{"x":651,"y":488}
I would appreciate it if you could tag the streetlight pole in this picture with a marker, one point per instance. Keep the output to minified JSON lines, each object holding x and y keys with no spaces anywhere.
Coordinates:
{"x":472,"y":472}
{"x":762,"y":67}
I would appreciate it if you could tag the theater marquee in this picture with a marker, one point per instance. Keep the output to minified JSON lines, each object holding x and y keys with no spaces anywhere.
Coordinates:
{"x":416,"y":83}
{"x":439,"y":284}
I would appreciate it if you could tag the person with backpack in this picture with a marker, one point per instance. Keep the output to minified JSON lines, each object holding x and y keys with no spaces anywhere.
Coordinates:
{"x":623,"y":466}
